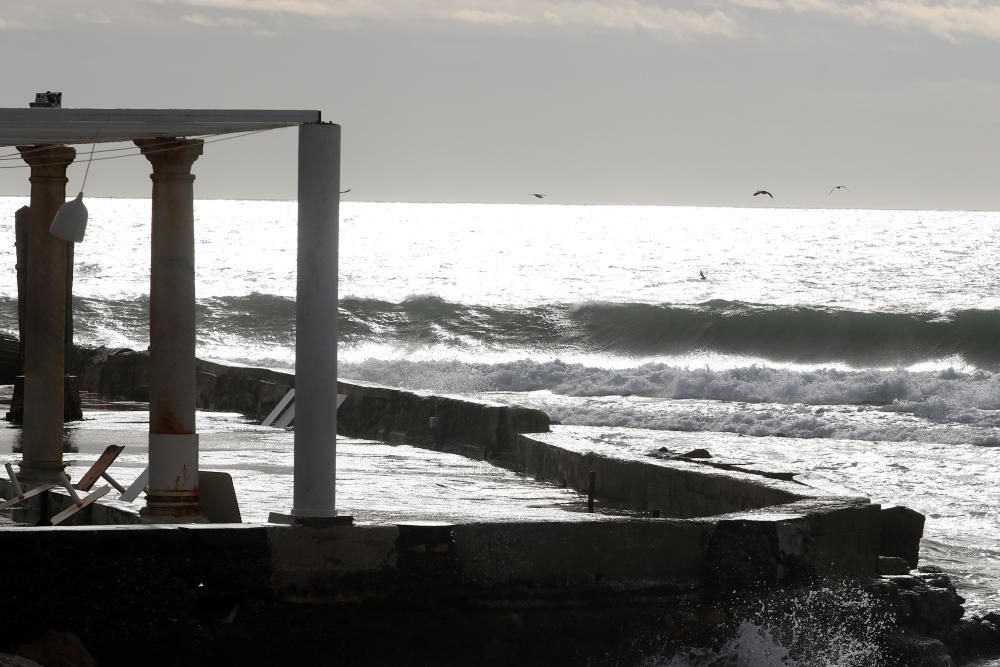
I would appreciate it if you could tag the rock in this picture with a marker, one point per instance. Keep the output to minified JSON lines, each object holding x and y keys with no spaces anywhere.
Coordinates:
{"x":933,"y":603}
{"x":892,"y":565}
{"x":913,"y":650}
{"x":57,"y":649}
{"x":696,"y":454}
{"x":900,"y":531}
{"x":887,"y":600}
{"x":972,"y":638}
{"x":937,"y":608}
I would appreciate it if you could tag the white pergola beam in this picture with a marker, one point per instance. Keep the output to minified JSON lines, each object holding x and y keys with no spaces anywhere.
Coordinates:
{"x":23,"y":127}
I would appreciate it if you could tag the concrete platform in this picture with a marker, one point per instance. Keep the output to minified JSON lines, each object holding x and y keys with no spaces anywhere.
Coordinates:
{"x":376,"y":482}
{"x":456,"y":560}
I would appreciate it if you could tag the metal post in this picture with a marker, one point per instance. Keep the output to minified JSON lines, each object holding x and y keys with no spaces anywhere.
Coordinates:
{"x":591,"y":489}
{"x":316,"y":322}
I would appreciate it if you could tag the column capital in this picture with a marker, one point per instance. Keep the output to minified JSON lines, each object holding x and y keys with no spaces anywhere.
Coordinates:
{"x":171,"y":156}
{"x":48,"y":160}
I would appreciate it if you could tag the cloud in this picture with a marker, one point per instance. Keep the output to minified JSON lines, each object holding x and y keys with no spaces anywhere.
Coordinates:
{"x":673,"y":19}
{"x":618,"y":15}
{"x":949,"y":20}
{"x":218,"y":21}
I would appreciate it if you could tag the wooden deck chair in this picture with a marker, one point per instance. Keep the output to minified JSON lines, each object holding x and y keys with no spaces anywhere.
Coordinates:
{"x":98,"y":470}
{"x":20,"y":495}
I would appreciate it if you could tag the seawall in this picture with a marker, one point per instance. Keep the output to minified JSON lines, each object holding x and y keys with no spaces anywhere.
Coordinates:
{"x":688,"y":543}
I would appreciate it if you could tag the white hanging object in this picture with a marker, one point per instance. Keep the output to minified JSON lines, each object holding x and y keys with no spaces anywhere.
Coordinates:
{"x":70,"y":222}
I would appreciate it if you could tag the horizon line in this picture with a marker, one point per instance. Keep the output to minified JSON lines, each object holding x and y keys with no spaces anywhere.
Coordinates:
{"x":554,"y":204}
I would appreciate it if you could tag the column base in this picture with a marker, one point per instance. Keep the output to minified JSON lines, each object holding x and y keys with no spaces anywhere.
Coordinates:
{"x":35,"y":473}
{"x":311,"y":521}
{"x":148,"y":518}
{"x":173,"y":495}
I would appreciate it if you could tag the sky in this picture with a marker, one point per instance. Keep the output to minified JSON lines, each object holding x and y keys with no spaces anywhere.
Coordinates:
{"x":618,"y":102}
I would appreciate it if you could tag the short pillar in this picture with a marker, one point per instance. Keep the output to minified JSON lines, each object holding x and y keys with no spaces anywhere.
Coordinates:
{"x":172,"y":495}
{"x":43,"y":328}
{"x":316,"y":323}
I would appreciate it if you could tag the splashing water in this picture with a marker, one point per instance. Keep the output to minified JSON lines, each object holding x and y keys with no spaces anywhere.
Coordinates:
{"x":837,"y":626}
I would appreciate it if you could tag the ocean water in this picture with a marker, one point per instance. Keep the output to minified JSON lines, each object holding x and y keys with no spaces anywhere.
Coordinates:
{"x":863,"y":345}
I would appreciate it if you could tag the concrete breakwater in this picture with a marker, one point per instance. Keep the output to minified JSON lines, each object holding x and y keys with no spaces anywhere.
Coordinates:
{"x":695,"y":545}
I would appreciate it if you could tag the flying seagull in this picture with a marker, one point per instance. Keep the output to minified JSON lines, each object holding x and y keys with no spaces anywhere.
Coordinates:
{"x":763,"y":192}
{"x":344,"y":192}
{"x":837,"y":187}
{"x":537,"y":195}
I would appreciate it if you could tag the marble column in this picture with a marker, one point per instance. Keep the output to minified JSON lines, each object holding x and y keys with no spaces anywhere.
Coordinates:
{"x":172,"y":495}
{"x":45,"y":323}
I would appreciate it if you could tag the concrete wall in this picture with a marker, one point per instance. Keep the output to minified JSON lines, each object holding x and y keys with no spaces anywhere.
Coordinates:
{"x":665,"y":488}
{"x":370,"y":411}
{"x":162,"y":595}
{"x":441,"y":422}
{"x":124,"y":374}
{"x":414,"y":593}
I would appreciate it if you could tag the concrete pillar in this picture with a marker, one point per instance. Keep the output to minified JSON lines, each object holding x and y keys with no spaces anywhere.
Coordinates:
{"x":44,"y":325}
{"x":316,"y":322}
{"x":173,"y":443}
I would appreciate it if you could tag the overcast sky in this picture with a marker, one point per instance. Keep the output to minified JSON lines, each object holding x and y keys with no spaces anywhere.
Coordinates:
{"x":619,"y":102}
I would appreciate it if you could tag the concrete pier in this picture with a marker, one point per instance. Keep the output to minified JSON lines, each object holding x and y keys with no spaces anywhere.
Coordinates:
{"x":683,"y":549}
{"x":45,"y":323}
{"x":173,"y":443}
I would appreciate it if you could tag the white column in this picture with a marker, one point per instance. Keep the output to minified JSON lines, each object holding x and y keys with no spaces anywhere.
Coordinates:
{"x":316,"y":322}
{"x":173,"y":494}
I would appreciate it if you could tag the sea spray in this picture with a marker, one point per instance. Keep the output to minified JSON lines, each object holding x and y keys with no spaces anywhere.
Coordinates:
{"x":840,"y":625}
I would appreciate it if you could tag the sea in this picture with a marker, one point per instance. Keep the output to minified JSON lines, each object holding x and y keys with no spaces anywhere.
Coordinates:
{"x":863,"y":345}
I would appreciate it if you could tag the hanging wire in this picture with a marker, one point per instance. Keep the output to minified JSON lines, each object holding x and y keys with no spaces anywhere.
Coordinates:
{"x":42,"y":148}
{"x":171,"y":146}
{"x":83,"y":186}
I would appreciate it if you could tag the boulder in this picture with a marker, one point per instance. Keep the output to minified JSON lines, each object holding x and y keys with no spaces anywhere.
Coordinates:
{"x":913,"y":650}
{"x":696,"y":454}
{"x":972,"y":638}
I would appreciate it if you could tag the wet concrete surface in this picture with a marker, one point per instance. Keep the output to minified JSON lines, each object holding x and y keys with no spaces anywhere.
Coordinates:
{"x":376,"y":482}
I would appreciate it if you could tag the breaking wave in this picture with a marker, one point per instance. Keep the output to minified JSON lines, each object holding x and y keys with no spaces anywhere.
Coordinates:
{"x":804,"y":335}
{"x":944,"y":406}
{"x":779,"y":333}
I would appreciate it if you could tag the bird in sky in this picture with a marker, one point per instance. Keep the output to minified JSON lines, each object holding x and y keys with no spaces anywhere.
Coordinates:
{"x":344,"y":192}
{"x":537,"y":195}
{"x":763,"y":192}
{"x":837,"y":187}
